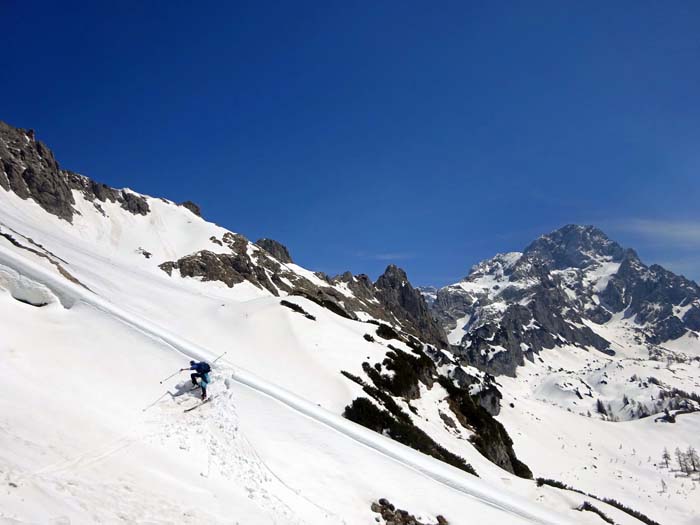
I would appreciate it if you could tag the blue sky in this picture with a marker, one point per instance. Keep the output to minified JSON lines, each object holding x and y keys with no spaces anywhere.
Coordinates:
{"x":431,"y":135}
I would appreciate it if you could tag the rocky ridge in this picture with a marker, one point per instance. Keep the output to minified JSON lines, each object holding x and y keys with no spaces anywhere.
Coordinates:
{"x":29,"y":169}
{"x":554,"y":293}
{"x":391,"y":298}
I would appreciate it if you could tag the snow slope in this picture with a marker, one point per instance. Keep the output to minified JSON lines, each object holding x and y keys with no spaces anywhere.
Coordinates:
{"x":587,"y":406}
{"x":619,"y":460}
{"x":88,"y":433}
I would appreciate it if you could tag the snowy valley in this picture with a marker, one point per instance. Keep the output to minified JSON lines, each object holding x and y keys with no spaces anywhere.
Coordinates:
{"x":337,"y":399}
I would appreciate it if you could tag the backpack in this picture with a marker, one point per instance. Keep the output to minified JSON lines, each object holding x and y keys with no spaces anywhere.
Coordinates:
{"x":204,"y":368}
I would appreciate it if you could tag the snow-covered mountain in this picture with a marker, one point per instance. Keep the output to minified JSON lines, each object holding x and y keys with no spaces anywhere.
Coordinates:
{"x":577,"y":323}
{"x":572,"y":287}
{"x":104,"y":293}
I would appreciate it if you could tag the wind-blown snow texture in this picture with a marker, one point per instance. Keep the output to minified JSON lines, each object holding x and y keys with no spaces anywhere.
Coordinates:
{"x":92,"y":323}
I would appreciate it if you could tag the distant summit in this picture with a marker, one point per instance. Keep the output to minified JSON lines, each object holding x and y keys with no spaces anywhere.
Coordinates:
{"x":555,"y":293}
{"x":574,"y":246}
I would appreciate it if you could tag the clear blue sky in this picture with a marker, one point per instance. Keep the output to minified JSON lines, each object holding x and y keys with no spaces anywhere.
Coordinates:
{"x":429,"y":134}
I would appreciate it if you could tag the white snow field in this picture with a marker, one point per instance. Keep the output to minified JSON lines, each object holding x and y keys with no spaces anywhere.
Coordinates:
{"x":550,"y":408}
{"x":88,"y":434}
{"x":619,"y":460}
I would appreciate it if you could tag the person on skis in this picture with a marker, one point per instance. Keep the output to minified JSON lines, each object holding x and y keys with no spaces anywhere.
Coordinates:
{"x":201,"y":371}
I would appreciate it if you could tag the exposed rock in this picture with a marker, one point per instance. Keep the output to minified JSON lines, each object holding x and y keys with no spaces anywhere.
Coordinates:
{"x":429,"y":293}
{"x":135,"y":204}
{"x":28,"y":168}
{"x":192,"y":207}
{"x":406,"y":303}
{"x":387,"y":332}
{"x":393,"y":516}
{"x":398,"y":426}
{"x":513,"y":306}
{"x":4,"y":181}
{"x":447,"y":420}
{"x":91,"y":189}
{"x":573,"y":246}
{"x":32,"y":172}
{"x":296,"y":308}
{"x":487,"y":395}
{"x":276,"y":249}
{"x":473,"y":402}
{"x":692,"y":318}
{"x":490,"y":436}
{"x":257,"y":267}
{"x":230,"y":269}
{"x":392,"y":299}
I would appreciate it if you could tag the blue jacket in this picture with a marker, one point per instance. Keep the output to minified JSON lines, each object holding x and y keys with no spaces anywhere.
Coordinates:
{"x":198,"y":367}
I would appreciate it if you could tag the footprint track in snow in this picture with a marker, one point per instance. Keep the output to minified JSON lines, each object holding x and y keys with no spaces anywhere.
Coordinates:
{"x":212,"y":436}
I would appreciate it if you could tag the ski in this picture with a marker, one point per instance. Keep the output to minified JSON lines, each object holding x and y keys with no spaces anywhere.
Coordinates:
{"x":199,"y":404}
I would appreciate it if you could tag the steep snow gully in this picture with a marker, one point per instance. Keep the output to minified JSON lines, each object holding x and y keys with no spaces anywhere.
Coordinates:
{"x":69,"y":293}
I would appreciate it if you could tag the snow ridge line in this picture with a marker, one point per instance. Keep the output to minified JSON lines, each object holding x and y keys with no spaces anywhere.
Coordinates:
{"x":431,"y":468}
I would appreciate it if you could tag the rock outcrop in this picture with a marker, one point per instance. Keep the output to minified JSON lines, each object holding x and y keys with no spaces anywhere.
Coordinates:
{"x":395,"y":292}
{"x":390,"y":515}
{"x":472,"y":401}
{"x":511,"y":307}
{"x":194,"y":208}
{"x":391,"y":299}
{"x":29,"y":169}
{"x":276,"y":249}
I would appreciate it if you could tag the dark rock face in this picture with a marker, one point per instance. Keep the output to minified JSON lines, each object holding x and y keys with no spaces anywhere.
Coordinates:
{"x":135,"y":204}
{"x":392,"y":299}
{"x":473,"y":403}
{"x":298,"y":309}
{"x":390,"y":515}
{"x":692,"y":318}
{"x":192,"y":207}
{"x":28,"y":168}
{"x":406,"y":303}
{"x":514,"y":305}
{"x":652,"y":294}
{"x":490,"y":437}
{"x":276,"y":249}
{"x":228,"y":268}
{"x":260,"y":269}
{"x":488,"y":396}
{"x":451,"y":305}
{"x":573,"y":246}
{"x":31,"y":171}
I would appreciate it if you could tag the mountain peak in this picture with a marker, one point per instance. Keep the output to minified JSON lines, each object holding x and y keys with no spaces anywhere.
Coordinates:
{"x":394,"y":273}
{"x":574,"y":246}
{"x":278,"y":250}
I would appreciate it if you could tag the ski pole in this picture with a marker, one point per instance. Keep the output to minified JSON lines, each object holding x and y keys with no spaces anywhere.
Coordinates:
{"x":149,"y":406}
{"x":222,"y":355}
{"x":171,"y":375}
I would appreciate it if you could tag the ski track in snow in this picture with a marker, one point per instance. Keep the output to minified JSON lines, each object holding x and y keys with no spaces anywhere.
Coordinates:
{"x":439,"y":472}
{"x":228,"y":453}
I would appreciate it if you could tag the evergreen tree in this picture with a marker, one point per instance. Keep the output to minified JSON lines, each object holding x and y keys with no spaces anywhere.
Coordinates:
{"x":666,"y":457}
{"x":682,"y":461}
{"x":600,"y":407}
{"x":679,"y":458}
{"x":692,"y":459}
